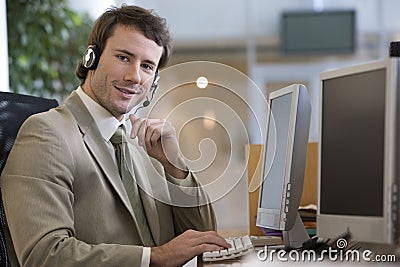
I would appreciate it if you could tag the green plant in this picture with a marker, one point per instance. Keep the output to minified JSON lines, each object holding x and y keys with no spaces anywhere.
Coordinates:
{"x":45,"y":41}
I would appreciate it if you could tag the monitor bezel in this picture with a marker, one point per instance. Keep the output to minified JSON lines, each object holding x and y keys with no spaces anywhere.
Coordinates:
{"x":281,"y":223}
{"x":376,"y":229}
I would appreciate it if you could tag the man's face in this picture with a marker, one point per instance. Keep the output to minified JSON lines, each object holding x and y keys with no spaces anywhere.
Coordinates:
{"x":125,"y":71}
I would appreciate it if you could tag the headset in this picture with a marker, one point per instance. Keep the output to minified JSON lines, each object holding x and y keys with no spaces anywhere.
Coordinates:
{"x":153,"y":88}
{"x":91,"y":58}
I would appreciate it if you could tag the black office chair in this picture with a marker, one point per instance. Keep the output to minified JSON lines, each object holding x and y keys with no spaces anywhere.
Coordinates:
{"x":14,"y":110}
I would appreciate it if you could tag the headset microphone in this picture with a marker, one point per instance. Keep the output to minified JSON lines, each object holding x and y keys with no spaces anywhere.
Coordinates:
{"x":154,"y":87}
{"x":146,"y":102}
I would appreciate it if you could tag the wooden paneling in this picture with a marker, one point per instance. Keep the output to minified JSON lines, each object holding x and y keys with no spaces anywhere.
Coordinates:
{"x":254,"y":168}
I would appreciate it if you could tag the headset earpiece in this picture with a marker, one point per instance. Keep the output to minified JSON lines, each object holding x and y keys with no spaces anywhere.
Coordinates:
{"x":91,"y":57}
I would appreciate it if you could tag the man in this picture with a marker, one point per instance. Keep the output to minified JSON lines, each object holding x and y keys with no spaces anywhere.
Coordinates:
{"x":65,"y":199}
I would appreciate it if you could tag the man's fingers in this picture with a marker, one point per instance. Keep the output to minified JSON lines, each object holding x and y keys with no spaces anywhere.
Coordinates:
{"x":144,"y":128}
{"x":136,"y":124}
{"x":153,"y":134}
{"x":187,"y":245}
{"x":141,"y":133}
{"x":209,"y":239}
{"x":209,"y":247}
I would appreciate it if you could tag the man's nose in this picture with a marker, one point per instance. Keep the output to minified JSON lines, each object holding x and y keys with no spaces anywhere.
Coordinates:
{"x":133,"y":74}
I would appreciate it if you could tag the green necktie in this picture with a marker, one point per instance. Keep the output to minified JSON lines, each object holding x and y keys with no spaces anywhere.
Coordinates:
{"x":125,"y":166}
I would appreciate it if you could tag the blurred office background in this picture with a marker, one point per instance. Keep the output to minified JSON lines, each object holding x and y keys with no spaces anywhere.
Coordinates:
{"x":244,"y":39}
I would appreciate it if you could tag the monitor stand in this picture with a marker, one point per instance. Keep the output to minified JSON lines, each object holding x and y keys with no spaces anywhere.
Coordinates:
{"x":296,"y":236}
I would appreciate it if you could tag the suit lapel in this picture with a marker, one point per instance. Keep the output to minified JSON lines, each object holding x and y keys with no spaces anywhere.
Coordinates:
{"x":95,"y":143}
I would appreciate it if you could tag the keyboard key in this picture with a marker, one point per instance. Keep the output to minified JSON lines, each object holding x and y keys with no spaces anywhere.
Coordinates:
{"x":247,"y":242}
{"x":223,"y":252}
{"x":232,"y":249}
{"x":239,"y":246}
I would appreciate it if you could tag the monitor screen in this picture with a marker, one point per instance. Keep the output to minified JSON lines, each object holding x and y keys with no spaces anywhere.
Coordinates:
{"x":276,"y":152}
{"x":326,"y":32}
{"x":353,"y":123}
{"x":284,"y":159}
{"x":357,"y":152}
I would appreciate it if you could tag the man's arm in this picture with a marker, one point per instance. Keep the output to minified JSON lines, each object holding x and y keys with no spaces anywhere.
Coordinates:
{"x":158,"y":138}
{"x":192,"y":208}
{"x":191,"y":205}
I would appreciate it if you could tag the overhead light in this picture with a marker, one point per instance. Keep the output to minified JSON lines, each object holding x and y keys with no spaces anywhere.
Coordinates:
{"x":202,"y":82}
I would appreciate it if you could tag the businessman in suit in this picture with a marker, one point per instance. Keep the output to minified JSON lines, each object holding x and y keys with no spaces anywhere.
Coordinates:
{"x":65,"y":202}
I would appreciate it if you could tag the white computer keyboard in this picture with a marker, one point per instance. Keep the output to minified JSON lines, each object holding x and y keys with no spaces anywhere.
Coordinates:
{"x":239,"y":247}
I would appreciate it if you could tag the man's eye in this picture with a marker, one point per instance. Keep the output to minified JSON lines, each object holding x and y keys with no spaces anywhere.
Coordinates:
{"x":122,"y":58}
{"x":147,"y":67}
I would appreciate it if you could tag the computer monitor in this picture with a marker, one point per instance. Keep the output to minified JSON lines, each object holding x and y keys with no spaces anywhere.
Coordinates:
{"x":357,"y":187}
{"x":284,"y":160}
{"x":322,"y":32}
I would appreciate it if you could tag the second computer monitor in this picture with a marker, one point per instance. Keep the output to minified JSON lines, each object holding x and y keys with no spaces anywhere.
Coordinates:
{"x":284,"y":159}
{"x":358,"y":152}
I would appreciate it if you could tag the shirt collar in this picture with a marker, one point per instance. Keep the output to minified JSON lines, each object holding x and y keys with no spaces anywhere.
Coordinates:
{"x":106,"y":122}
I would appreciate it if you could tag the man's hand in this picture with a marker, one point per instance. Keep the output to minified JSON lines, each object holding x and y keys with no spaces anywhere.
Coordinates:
{"x":158,"y":138}
{"x":186,"y":246}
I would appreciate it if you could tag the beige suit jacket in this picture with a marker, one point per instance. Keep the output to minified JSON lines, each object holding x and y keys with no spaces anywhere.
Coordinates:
{"x":66,"y":205}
